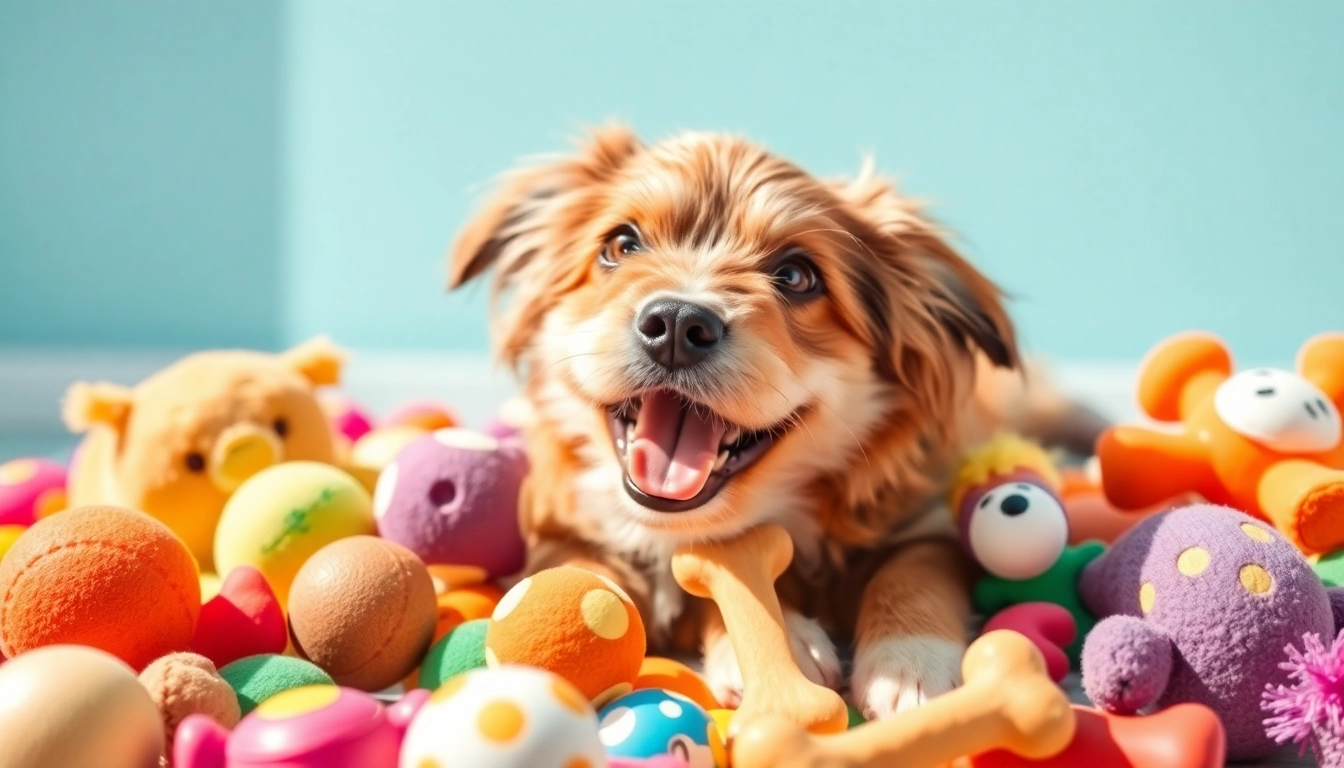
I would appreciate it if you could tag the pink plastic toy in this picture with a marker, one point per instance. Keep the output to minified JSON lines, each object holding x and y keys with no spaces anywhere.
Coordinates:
{"x":30,"y":489}
{"x":320,"y":726}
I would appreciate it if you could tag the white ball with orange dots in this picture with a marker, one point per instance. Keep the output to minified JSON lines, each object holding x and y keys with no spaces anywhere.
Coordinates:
{"x":510,"y":717}
{"x":574,"y":623}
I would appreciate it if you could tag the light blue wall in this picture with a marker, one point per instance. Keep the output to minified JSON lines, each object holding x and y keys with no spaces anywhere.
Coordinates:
{"x":139,"y":149}
{"x":1127,"y":170}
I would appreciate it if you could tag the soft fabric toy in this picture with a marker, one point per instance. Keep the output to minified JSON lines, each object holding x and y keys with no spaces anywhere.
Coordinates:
{"x":1310,"y":711}
{"x":257,"y":678}
{"x":244,"y":619}
{"x":362,"y":608}
{"x":1005,"y":498}
{"x":185,"y":684}
{"x":177,"y":444}
{"x":574,"y":623}
{"x":106,"y":577}
{"x":1199,"y":604}
{"x":451,"y":496}
{"x":1265,"y":441}
{"x":461,"y":650}
{"x":284,"y":514}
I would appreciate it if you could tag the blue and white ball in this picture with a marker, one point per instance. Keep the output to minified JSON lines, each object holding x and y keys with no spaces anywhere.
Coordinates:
{"x":649,"y":723}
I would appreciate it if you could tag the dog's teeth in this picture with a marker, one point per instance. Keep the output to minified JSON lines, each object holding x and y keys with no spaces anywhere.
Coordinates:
{"x":721,"y":461}
{"x":732,"y":436}
{"x":629,"y":432}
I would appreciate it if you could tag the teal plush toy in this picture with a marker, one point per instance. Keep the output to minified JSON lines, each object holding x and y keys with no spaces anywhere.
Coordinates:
{"x":1013,"y":523}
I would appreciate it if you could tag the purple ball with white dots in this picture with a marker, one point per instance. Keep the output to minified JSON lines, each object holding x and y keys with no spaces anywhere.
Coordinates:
{"x":451,"y":497}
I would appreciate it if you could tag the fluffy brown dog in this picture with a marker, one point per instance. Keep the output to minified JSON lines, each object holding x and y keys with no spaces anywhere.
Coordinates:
{"x":711,"y":338}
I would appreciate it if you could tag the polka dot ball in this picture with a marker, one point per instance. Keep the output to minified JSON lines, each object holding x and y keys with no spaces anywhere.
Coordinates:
{"x":511,"y":717}
{"x":651,"y":723}
{"x":574,"y":623}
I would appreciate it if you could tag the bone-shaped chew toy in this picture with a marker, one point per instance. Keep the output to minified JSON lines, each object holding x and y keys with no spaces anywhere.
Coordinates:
{"x":1007,"y":702}
{"x":739,"y":575}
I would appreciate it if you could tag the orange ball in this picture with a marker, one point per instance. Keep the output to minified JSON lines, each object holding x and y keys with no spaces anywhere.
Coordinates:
{"x":665,"y":674}
{"x":573,"y":623}
{"x":470,"y":603}
{"x":106,"y":577}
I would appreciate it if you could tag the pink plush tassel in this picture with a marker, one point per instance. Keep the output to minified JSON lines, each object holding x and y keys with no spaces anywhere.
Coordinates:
{"x":1311,"y":710}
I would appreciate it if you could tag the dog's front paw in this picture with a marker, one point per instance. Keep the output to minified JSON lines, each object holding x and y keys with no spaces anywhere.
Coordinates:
{"x":901,"y":673}
{"x":812,"y":649}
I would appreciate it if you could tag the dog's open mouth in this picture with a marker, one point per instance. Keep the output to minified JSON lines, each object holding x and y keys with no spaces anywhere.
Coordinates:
{"x":676,"y":454}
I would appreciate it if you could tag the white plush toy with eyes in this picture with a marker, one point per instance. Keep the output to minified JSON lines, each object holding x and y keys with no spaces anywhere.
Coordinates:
{"x":1012,"y":521}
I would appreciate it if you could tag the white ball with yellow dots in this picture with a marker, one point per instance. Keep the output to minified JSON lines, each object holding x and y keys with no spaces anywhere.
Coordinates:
{"x":507,"y":717}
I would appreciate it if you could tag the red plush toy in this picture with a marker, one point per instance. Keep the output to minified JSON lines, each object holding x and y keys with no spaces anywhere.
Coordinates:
{"x":244,"y":619}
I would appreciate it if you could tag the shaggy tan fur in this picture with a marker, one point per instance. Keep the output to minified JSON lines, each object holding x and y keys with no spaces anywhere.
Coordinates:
{"x":870,"y":387}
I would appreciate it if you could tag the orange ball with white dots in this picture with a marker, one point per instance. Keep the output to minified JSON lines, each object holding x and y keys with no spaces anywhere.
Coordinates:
{"x":574,"y":623}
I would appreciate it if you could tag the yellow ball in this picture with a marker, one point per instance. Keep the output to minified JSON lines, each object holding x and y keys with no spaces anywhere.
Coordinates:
{"x":8,"y":535}
{"x":277,"y":519}
{"x":210,"y":586}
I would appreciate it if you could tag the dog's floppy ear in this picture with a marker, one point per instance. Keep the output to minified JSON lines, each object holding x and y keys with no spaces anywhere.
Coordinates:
{"x":506,"y":232}
{"x":967,"y":303}
{"x":918,"y":263}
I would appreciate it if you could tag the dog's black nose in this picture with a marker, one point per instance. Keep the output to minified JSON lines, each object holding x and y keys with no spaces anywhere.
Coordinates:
{"x":678,"y":334}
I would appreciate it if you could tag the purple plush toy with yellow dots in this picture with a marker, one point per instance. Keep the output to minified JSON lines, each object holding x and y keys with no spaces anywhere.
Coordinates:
{"x":1199,"y":604}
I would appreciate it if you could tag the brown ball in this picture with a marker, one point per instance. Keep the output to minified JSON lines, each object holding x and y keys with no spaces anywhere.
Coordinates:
{"x":363,"y":609}
{"x":184,"y":684}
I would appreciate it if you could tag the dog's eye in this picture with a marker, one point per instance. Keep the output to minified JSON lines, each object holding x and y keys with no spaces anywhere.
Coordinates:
{"x":797,"y":275}
{"x":623,"y":241}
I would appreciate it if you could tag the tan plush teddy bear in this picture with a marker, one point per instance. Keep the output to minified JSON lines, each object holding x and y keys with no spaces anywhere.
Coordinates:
{"x":179,"y":443}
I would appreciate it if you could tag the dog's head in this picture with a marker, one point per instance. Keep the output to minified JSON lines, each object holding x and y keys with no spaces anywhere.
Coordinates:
{"x":710,"y":329}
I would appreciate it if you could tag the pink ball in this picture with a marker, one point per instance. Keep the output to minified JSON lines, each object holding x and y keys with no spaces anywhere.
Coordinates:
{"x":451,"y":497}
{"x":30,"y":489}
{"x":347,"y":417}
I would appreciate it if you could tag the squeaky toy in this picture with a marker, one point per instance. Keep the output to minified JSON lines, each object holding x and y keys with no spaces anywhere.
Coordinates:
{"x":452,"y":497}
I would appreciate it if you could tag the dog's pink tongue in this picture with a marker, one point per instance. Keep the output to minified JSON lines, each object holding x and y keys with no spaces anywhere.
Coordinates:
{"x":674,"y":448}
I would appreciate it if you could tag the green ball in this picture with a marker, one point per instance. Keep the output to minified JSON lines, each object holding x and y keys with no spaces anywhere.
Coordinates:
{"x":461,"y":650}
{"x":1331,"y":569}
{"x":856,"y":717}
{"x":258,"y":678}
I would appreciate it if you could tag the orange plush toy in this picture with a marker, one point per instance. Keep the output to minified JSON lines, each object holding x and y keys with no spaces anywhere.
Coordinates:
{"x":178,"y":444}
{"x":1266,"y":441}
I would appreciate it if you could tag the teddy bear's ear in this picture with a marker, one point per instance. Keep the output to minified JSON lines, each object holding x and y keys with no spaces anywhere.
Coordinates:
{"x":1321,"y":361}
{"x":317,"y":360}
{"x":1167,"y":373}
{"x":87,"y":405}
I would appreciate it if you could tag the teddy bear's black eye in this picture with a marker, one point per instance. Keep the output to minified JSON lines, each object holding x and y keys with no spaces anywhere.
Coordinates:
{"x":281,"y":427}
{"x":195,"y":461}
